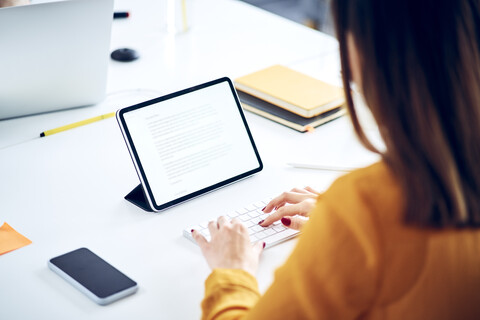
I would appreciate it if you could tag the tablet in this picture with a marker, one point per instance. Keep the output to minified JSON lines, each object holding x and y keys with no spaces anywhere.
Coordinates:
{"x":189,"y":142}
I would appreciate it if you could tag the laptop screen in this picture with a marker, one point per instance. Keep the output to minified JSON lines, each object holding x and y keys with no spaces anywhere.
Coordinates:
{"x":190,"y":142}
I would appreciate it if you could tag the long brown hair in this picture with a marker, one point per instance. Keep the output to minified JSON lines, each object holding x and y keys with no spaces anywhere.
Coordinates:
{"x":420,"y":75}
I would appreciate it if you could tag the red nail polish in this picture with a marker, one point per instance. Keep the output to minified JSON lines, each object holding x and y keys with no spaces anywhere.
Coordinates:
{"x":261,"y":222}
{"x":263,"y":208}
{"x":192,"y":230}
{"x":286,"y":221}
{"x":264,"y":245}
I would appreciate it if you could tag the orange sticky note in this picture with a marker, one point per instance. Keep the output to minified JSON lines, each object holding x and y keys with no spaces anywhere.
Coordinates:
{"x":11,"y":239}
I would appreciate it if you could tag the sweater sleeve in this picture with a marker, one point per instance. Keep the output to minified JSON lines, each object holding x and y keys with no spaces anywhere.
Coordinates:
{"x":333,"y":272}
{"x":229,"y":294}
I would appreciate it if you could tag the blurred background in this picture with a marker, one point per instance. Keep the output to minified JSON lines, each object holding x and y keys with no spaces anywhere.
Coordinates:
{"x":312,"y":13}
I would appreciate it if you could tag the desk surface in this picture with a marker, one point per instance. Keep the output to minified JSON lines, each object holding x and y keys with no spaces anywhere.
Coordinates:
{"x":66,"y":191}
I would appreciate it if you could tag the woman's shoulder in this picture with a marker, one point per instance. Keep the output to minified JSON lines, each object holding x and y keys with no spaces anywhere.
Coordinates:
{"x":367,"y":178}
{"x":374,"y":189}
{"x":367,"y":207}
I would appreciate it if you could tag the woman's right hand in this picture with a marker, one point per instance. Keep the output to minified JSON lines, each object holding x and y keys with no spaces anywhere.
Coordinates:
{"x":292,"y":207}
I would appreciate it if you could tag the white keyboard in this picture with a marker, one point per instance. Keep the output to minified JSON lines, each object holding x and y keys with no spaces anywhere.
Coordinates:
{"x":250,"y":216}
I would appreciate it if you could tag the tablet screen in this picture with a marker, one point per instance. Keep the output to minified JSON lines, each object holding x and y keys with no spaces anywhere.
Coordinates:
{"x":189,"y":142}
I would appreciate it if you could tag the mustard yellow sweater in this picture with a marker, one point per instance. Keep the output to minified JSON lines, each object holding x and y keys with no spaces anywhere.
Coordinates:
{"x":355,"y":259}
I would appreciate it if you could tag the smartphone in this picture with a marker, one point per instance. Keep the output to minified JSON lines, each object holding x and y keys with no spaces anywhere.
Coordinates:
{"x":93,"y":276}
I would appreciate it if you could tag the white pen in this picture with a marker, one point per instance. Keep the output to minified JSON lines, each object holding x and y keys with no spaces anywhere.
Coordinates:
{"x":319,"y":167}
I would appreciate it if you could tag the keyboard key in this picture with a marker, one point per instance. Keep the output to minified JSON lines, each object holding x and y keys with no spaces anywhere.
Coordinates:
{"x":280,"y":236}
{"x":259,"y":212}
{"x":204,"y":224}
{"x":261,"y":235}
{"x":242,"y":211}
{"x":251,"y":207}
{"x":269,"y":231}
{"x":257,"y":228}
{"x":249,"y":223}
{"x":259,"y":204}
{"x":253,"y":238}
{"x":256,"y":220}
{"x":232,"y":214}
{"x":244,"y":217}
{"x":253,"y":214}
{"x":279,"y":228}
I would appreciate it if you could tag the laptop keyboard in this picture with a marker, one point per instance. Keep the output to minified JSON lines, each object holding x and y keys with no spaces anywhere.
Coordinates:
{"x":250,"y":216}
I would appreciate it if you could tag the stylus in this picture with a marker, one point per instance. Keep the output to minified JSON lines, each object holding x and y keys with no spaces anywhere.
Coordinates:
{"x":319,"y":167}
{"x":77,"y":124}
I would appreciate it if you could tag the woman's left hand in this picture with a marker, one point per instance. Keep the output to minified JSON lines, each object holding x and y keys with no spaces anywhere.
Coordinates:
{"x":229,"y":246}
{"x":294,"y":215}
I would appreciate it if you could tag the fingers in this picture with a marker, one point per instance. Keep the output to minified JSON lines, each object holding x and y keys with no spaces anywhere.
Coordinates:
{"x":299,"y":190}
{"x":280,"y":213}
{"x":295,"y":222}
{"x":221,"y":221}
{"x":258,"y":247}
{"x":235,"y":221}
{"x":212,"y":227}
{"x":310,"y":189}
{"x":301,"y":209}
{"x":287,"y":197}
{"x":199,"y":239}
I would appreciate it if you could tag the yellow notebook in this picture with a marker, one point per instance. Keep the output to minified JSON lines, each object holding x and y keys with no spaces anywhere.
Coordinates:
{"x":292,"y":90}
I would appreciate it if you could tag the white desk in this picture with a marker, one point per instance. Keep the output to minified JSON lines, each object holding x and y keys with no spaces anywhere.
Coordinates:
{"x":66,"y":191}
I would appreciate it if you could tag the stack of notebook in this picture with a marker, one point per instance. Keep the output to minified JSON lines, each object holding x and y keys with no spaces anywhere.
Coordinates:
{"x":290,"y":97}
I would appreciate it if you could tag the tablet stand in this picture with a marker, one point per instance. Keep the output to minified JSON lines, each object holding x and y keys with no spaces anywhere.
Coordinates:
{"x":137,"y":197}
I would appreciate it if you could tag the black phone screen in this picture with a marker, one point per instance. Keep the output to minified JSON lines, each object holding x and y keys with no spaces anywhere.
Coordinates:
{"x":92,"y":272}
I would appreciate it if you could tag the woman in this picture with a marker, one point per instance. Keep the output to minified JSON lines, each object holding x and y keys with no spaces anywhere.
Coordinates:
{"x":399,"y":239}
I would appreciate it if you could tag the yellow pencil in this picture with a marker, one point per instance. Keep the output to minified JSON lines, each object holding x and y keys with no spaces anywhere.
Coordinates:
{"x":77,"y":124}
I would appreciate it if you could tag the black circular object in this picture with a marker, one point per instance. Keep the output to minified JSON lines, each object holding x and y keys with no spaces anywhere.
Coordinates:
{"x":124,"y":55}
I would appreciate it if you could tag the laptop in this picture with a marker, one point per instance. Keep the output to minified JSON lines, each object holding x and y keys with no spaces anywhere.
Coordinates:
{"x":188,"y":143}
{"x":54,"y":56}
